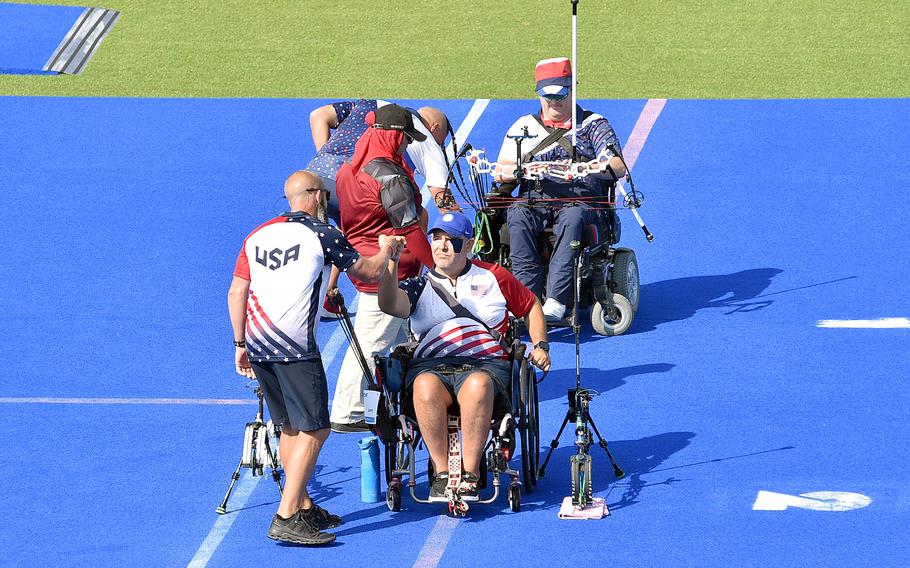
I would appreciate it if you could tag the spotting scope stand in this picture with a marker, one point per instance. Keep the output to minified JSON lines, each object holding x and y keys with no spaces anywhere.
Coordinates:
{"x":579,"y":397}
{"x":250,"y":458}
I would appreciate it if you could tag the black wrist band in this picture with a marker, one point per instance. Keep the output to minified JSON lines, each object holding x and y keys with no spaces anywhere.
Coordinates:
{"x":240,"y":343}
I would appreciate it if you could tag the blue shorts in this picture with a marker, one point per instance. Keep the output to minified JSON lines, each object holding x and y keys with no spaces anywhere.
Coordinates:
{"x":296,"y":393}
{"x":453,"y":371}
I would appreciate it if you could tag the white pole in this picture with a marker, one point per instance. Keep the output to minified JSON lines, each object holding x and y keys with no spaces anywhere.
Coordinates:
{"x":574,"y":69}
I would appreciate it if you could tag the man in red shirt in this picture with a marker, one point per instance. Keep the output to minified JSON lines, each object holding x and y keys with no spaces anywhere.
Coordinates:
{"x":377,"y":195}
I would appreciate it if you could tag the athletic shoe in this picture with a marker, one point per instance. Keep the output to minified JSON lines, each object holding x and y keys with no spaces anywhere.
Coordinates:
{"x":298,"y":531}
{"x":468,"y":487}
{"x":438,"y":488}
{"x":553,"y":311}
{"x":320,"y":518}
{"x":350,"y":428}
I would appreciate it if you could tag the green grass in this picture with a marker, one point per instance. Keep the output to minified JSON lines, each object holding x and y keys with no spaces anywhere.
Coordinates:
{"x":464,"y":49}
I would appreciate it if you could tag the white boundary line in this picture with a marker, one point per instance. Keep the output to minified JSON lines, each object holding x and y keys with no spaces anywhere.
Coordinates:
{"x":436,"y":543}
{"x":881,"y":323}
{"x":49,"y":400}
{"x":641,"y":130}
{"x":461,"y":134}
{"x":224,"y":522}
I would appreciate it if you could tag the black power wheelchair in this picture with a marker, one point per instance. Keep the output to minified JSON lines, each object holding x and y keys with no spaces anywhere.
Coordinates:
{"x":610,"y":277}
{"x":515,"y":414}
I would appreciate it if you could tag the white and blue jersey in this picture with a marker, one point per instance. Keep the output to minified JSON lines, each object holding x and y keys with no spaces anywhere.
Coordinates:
{"x":595,"y":136}
{"x":287,"y":263}
{"x":487,"y":291}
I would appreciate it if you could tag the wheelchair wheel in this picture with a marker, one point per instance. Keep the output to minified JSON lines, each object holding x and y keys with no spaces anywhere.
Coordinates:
{"x":530,"y":431}
{"x":393,"y":497}
{"x":515,"y":497}
{"x":625,"y":276}
{"x":613,"y":321}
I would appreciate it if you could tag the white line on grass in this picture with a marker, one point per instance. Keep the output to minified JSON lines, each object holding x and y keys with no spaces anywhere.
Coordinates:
{"x":882,"y":323}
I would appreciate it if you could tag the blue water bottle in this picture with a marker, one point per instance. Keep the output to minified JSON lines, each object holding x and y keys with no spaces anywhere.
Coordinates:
{"x":369,"y":469}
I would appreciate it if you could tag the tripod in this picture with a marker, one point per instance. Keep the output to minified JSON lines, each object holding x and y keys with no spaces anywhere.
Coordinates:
{"x":257,"y":452}
{"x":579,"y":399}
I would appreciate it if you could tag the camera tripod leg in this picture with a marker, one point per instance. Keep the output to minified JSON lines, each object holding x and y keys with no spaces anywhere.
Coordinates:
{"x":554,"y":443}
{"x":617,"y":471}
{"x":222,"y":509}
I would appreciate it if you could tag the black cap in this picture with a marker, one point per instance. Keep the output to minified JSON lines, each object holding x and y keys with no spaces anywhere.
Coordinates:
{"x":394,"y":117}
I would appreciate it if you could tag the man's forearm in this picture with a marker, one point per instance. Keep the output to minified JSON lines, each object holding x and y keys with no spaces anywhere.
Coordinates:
{"x":393,"y":300}
{"x":537,"y":324}
{"x":237,"y":302}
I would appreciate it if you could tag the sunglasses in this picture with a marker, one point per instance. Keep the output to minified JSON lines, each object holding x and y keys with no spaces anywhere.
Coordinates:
{"x":556,"y":97}
{"x":314,"y":189}
{"x":456,"y":242}
{"x":408,"y":138}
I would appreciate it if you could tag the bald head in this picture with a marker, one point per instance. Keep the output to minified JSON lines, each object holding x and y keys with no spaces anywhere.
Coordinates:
{"x":436,"y":122}
{"x":296,"y":191}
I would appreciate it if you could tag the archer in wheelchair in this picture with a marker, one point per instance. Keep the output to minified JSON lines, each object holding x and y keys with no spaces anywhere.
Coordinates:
{"x":465,"y":372}
{"x":565,"y":192}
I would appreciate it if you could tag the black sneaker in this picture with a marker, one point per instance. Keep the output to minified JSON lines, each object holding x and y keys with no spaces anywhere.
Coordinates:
{"x":298,"y":531}
{"x":320,"y":518}
{"x":468,"y":487}
{"x":438,"y":488}
{"x":350,"y":428}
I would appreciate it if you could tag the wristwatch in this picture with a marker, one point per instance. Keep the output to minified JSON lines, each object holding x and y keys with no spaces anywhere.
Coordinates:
{"x":240,"y":343}
{"x":543,"y":345}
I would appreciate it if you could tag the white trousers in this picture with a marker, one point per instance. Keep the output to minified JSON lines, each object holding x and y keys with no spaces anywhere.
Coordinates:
{"x":376,"y":332}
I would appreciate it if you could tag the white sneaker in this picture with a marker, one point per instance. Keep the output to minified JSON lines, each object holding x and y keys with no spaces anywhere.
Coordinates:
{"x":553,"y":310}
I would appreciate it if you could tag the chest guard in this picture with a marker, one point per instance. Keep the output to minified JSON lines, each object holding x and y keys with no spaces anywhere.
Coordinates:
{"x":397,"y":191}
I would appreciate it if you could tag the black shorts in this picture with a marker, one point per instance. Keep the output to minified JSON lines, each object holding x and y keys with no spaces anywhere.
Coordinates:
{"x":296,"y":393}
{"x":453,"y":371}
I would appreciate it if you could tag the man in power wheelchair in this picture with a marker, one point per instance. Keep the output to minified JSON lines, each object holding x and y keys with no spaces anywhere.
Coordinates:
{"x":551,"y":213}
{"x":462,"y":366}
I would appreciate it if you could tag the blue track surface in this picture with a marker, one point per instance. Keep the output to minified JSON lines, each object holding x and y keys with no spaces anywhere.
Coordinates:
{"x":122,"y":219}
{"x":30,"y":34}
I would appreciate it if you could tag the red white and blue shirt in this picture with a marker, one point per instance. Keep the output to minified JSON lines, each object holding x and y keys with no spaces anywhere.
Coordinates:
{"x":288,"y":278}
{"x":488,"y":291}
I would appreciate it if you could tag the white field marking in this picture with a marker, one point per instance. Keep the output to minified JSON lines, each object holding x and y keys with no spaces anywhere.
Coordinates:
{"x":828,"y":501}
{"x":641,"y":130}
{"x":223,"y":524}
{"x":248,"y":483}
{"x":436,"y":543}
{"x":461,"y":134}
{"x":881,"y":323}
{"x":49,"y":400}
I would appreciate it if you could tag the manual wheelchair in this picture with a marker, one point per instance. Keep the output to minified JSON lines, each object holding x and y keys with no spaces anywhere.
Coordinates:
{"x":514,"y":414}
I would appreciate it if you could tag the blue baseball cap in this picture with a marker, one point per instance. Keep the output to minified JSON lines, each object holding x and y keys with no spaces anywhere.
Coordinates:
{"x":455,"y":224}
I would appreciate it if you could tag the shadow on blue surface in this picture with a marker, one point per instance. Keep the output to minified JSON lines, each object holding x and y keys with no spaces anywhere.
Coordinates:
{"x":556,"y":384}
{"x":680,"y":298}
{"x":636,"y":457}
